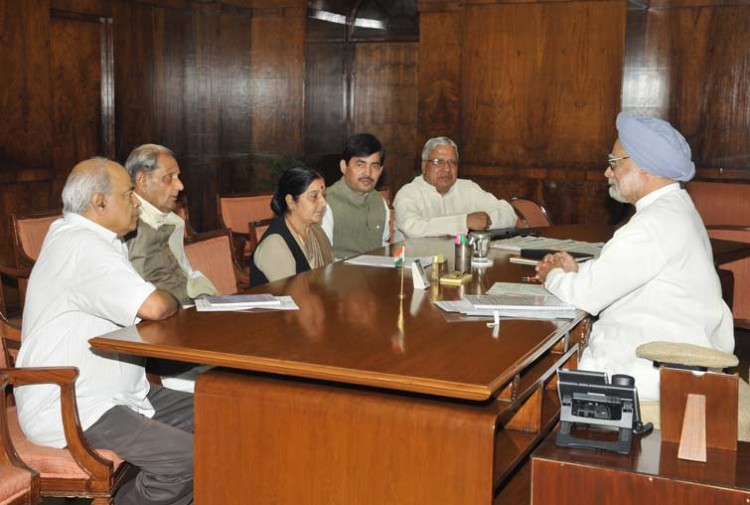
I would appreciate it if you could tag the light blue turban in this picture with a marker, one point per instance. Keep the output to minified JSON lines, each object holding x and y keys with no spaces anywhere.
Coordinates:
{"x":655,"y":146}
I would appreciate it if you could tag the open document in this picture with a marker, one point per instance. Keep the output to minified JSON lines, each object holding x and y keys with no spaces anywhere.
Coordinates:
{"x":231,"y":303}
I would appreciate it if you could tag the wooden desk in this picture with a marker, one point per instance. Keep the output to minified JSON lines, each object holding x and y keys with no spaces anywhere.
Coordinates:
{"x":650,"y":474}
{"x":334,"y":404}
{"x":340,"y":403}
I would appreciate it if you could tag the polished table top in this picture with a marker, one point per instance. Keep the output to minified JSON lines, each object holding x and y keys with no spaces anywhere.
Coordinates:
{"x":352,"y":327}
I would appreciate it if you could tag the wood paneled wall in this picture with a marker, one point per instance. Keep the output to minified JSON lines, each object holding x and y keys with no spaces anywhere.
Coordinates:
{"x":220,"y":83}
{"x":529,"y":90}
{"x":357,"y":85}
{"x":689,"y":62}
{"x":384,"y":93}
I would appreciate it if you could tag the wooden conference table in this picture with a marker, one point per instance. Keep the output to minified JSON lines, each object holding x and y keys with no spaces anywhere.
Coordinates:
{"x":360,"y":397}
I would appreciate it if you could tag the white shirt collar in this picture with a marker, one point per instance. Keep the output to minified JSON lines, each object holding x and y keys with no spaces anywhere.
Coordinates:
{"x":655,"y":195}
{"x":79,"y":220}
{"x":154,"y":217}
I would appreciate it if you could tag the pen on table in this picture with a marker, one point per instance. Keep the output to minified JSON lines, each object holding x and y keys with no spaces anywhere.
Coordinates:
{"x":531,"y":279}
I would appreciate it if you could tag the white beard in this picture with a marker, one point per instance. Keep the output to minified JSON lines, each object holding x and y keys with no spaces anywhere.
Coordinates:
{"x":615,"y":195}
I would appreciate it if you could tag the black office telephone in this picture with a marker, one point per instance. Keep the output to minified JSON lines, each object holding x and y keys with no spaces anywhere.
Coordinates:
{"x":589,"y":398}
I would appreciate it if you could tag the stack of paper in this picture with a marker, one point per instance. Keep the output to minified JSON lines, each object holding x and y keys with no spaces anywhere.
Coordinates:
{"x":512,"y":300}
{"x":369,"y":260}
{"x":517,"y":244}
{"x":244,"y":302}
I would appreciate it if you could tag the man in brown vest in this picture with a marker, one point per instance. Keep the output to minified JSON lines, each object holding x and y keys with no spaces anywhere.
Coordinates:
{"x":357,"y":219}
{"x":157,"y":249}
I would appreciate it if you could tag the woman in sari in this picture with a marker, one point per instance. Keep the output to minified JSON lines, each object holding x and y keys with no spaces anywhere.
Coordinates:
{"x":294,"y":241}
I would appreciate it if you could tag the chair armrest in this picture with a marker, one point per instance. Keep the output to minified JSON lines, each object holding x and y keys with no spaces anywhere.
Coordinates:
{"x":253,"y":226}
{"x":252,"y":236}
{"x":9,"y":453}
{"x":9,"y":331}
{"x":65,"y":377}
{"x":242,"y":275}
{"x":11,"y":336}
{"x":22,"y":272}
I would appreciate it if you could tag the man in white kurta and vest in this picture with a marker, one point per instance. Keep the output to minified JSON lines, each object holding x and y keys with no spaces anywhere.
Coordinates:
{"x":655,"y":279}
{"x":438,"y":203}
{"x":157,"y":249}
{"x":357,"y":219}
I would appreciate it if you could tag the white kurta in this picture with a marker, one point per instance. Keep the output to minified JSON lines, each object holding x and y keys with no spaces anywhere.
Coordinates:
{"x":81,"y":286}
{"x":423,"y":212}
{"x":655,"y":280}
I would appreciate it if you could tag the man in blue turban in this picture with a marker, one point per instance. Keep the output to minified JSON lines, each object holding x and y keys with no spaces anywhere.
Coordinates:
{"x":655,"y":279}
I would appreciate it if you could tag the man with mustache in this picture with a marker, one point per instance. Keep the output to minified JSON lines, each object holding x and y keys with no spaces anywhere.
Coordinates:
{"x":438,"y":203}
{"x":357,"y":219}
{"x":157,"y":248}
{"x":655,"y":280}
{"x":83,"y":286}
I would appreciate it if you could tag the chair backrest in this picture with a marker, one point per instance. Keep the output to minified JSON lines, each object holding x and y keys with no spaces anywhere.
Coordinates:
{"x":29,"y":232}
{"x":739,"y":268}
{"x":211,"y":253}
{"x":720,"y":394}
{"x":236,"y":211}
{"x":721,"y":203}
{"x":386,"y":194}
{"x":530,"y":214}
{"x":182,"y":211}
{"x":687,"y":370}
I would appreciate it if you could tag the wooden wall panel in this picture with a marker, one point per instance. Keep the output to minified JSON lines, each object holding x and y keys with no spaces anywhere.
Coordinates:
{"x":698,"y":62}
{"x":545,"y":91}
{"x":326,"y":105}
{"x":530,"y":92}
{"x":195,"y":76}
{"x":25,"y":131}
{"x":439,"y":71}
{"x":218,"y":113}
{"x":384,"y":91}
{"x":76,"y":66}
{"x":277,"y":85}
{"x":200,"y":160}
{"x":149,"y":77}
{"x":235,"y":110}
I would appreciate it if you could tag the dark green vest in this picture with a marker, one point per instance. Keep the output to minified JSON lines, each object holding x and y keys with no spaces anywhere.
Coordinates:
{"x":357,"y":222}
{"x":151,"y":257}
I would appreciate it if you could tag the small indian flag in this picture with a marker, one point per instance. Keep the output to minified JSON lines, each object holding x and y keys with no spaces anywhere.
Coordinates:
{"x":398,"y":256}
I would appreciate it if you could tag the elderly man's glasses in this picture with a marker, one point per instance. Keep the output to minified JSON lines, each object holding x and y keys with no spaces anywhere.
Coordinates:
{"x":613,"y":161}
{"x":440,"y":163}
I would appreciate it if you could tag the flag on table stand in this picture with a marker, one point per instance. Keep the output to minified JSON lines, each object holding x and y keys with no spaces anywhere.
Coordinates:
{"x":398,"y":256}
{"x":398,"y":261}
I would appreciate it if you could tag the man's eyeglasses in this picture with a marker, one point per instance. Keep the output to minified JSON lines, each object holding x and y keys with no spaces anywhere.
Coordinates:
{"x":440,"y":163}
{"x":613,"y":161}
